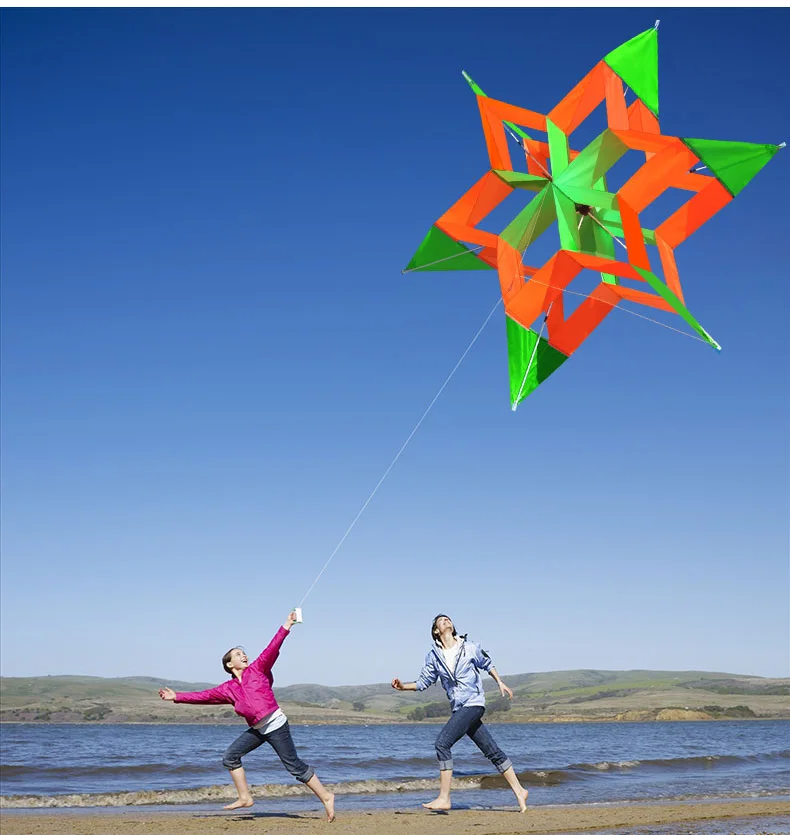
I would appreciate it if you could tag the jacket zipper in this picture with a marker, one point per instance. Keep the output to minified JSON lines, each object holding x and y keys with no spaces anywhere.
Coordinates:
{"x":455,"y":666}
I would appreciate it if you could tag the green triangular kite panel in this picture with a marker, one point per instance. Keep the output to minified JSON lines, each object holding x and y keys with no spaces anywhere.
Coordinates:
{"x":559,"y":151}
{"x":588,"y":241}
{"x":567,"y":220}
{"x":531,"y":222}
{"x":676,"y":304}
{"x":545,"y":360}
{"x":594,"y":161}
{"x":530,"y":182}
{"x":438,"y":251}
{"x":478,"y":91}
{"x":733,"y":163}
{"x":636,"y":62}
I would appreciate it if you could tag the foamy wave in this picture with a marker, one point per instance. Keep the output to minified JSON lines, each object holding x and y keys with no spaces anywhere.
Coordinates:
{"x":608,"y":766}
{"x":705,"y":761}
{"x":216,"y":794}
{"x":224,"y":794}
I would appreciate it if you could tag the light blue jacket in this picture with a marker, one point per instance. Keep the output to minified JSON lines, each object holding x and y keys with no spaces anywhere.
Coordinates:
{"x":464,"y":684}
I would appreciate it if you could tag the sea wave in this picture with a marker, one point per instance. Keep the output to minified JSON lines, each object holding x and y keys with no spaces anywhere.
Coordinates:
{"x":7,"y":771}
{"x":225,"y":793}
{"x":683,"y":762}
{"x":383,"y":764}
{"x":206,"y":794}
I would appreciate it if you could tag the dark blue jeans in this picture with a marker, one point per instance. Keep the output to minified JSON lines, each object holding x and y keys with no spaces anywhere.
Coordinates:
{"x":280,"y":740}
{"x":468,"y":721}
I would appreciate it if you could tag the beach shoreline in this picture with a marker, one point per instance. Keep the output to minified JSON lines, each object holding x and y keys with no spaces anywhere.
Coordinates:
{"x":464,"y":821}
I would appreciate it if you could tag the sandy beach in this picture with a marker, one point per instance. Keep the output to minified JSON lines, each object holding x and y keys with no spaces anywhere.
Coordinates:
{"x":460,"y":822}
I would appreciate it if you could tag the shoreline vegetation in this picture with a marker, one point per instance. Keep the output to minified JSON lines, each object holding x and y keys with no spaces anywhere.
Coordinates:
{"x":563,"y":696}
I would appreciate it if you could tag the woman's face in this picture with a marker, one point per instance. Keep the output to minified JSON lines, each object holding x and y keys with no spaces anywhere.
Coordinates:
{"x":238,"y":660}
{"x":443,"y":624}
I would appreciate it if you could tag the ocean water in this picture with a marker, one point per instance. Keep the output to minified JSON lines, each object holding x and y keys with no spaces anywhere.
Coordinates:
{"x":393,"y":766}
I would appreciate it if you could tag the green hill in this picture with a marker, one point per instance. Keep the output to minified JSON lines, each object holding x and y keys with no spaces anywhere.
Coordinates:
{"x":569,"y":695}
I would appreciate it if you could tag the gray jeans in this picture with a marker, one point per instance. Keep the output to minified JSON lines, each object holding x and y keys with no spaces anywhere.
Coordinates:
{"x":280,"y":740}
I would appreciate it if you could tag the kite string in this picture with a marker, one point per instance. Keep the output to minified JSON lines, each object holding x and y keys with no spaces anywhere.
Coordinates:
{"x":444,"y":385}
{"x":400,"y":451}
{"x":617,"y":306}
{"x":625,"y":309}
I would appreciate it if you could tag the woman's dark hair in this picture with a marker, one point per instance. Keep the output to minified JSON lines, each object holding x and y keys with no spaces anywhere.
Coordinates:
{"x":226,"y":661}
{"x":435,"y":632}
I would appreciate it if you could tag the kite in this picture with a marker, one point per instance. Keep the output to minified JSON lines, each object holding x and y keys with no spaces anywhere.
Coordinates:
{"x":599,"y":229}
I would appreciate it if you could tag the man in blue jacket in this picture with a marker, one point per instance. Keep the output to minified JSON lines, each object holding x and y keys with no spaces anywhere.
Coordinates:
{"x":456,"y":663}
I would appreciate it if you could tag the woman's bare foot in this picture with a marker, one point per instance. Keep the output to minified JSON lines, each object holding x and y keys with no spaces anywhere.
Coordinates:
{"x":522,"y":801}
{"x":329,"y":805}
{"x":438,"y":805}
{"x":241,"y":803}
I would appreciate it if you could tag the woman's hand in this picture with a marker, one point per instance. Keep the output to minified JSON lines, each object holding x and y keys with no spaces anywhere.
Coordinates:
{"x":397,"y":684}
{"x":289,"y":621}
{"x":504,"y":690}
{"x":167,"y":694}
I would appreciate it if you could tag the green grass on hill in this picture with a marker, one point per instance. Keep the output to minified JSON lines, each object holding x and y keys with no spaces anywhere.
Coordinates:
{"x":539,"y":696}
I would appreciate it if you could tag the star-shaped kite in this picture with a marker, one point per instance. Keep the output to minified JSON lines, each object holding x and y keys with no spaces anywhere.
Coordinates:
{"x":595,"y":225}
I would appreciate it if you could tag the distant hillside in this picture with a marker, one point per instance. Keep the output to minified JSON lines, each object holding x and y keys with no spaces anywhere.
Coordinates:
{"x":571,"y":695}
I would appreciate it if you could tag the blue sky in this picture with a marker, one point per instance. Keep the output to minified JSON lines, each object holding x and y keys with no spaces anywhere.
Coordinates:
{"x":210,"y":356}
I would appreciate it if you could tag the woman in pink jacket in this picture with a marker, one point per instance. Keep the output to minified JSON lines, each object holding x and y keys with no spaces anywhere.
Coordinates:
{"x":249,"y":690}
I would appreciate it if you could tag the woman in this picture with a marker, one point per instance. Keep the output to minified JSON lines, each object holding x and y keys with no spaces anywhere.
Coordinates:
{"x":457,"y":663}
{"x":249,"y":690}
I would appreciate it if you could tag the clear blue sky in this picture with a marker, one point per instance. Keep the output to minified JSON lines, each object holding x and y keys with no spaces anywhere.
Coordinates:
{"x":210,"y":356}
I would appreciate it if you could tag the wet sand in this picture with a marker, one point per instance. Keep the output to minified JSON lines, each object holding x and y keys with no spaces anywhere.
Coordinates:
{"x":557,"y":819}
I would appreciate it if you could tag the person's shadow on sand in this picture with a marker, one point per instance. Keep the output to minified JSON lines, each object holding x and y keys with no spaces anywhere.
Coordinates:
{"x":251,"y":816}
{"x":423,"y":812}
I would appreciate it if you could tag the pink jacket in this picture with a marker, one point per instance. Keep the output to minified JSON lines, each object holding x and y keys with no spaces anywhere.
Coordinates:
{"x":252,"y":697}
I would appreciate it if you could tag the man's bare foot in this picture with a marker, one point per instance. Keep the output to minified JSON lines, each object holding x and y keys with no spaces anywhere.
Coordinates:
{"x":522,"y":801}
{"x":241,"y":803}
{"x":329,"y":805}
{"x":438,"y":805}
